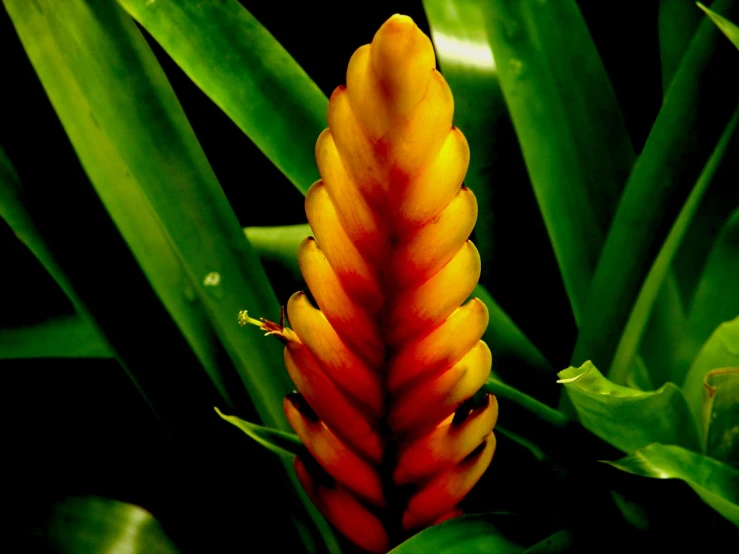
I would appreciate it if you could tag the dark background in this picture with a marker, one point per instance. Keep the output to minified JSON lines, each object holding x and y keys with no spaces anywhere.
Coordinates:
{"x":76,"y":427}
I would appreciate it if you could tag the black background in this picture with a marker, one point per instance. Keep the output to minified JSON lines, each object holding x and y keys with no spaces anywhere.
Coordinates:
{"x":81,"y":427}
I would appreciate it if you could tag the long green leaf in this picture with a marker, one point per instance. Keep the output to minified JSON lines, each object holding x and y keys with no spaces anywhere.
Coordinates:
{"x":569,"y":126}
{"x":142,"y":156}
{"x":687,"y":130}
{"x":721,"y":350}
{"x":79,"y":335}
{"x":716,"y":298}
{"x":637,"y":322}
{"x":716,"y":483}
{"x":678,"y":20}
{"x":247,"y":73}
{"x":285,"y":445}
{"x":279,"y":244}
{"x":626,"y":418}
{"x":466,"y":60}
{"x":727,"y":27}
{"x":89,"y":525}
{"x":61,"y":337}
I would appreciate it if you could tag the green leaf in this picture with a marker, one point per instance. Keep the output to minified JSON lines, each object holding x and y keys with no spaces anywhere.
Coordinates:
{"x":568,"y":123}
{"x":685,"y":133}
{"x":61,"y":337}
{"x":71,"y":337}
{"x":82,"y":525}
{"x":716,"y":483}
{"x":716,"y":298}
{"x":279,"y":244}
{"x":727,"y":27}
{"x":466,"y":60}
{"x":285,"y":445}
{"x":541,"y":410}
{"x":473,"y":534}
{"x":649,"y":293}
{"x":678,"y":20}
{"x":247,"y":73}
{"x":155,"y":181}
{"x":626,"y":418}
{"x":721,"y":415}
{"x":720,"y":351}
{"x":141,"y":154}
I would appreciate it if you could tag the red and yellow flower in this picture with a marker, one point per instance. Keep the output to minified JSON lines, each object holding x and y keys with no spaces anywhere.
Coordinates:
{"x":386,"y":364}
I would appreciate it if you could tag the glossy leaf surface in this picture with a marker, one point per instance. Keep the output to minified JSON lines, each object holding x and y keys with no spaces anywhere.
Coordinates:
{"x":727,"y":27}
{"x":626,"y":418}
{"x":89,"y":525}
{"x":716,"y":483}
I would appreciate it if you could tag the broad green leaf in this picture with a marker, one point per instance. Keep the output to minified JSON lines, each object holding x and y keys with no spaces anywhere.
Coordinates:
{"x":90,"y":525}
{"x":61,"y":337}
{"x":716,"y":483}
{"x":650,"y":290}
{"x":626,"y":418}
{"x":568,"y":123}
{"x":727,"y":27}
{"x":678,"y":20}
{"x":720,"y":351}
{"x":685,"y":133}
{"x":247,"y":73}
{"x":285,"y":445}
{"x":141,"y":154}
{"x":721,"y":415}
{"x":716,"y":298}
{"x":473,"y":534}
{"x":466,"y":60}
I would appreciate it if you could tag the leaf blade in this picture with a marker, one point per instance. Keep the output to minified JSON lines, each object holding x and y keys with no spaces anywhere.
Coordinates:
{"x":716,"y":483}
{"x":626,"y":418}
{"x":247,"y":73}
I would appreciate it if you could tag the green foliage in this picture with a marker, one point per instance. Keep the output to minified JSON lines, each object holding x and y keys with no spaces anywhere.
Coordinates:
{"x":88,"y":525}
{"x":647,"y":251}
{"x":716,"y":483}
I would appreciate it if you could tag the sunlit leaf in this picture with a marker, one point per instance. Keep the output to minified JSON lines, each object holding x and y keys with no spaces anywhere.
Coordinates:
{"x":61,"y":337}
{"x":244,"y":70}
{"x":727,"y":27}
{"x":687,"y":129}
{"x":568,"y":123}
{"x":466,"y":60}
{"x":716,"y":483}
{"x":282,"y":443}
{"x":89,"y":525}
{"x":626,"y":418}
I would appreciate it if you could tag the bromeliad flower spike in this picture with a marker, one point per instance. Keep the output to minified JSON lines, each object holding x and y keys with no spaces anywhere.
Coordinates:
{"x":388,"y":365}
